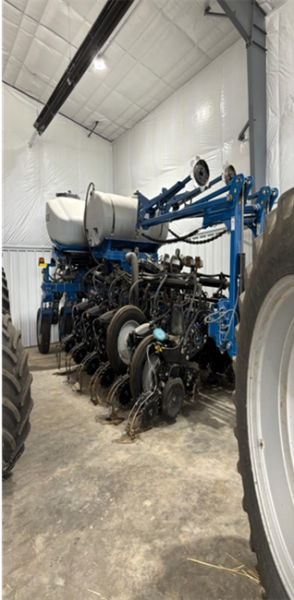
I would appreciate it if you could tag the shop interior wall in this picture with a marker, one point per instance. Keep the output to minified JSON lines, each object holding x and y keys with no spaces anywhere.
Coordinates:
{"x":280,"y":97}
{"x":64,"y":158}
{"x":203,"y":119}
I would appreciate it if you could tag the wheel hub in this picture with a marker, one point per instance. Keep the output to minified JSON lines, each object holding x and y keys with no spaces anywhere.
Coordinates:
{"x":122,"y":341}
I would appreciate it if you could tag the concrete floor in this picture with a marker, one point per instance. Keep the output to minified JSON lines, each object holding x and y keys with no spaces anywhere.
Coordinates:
{"x":86,"y":518}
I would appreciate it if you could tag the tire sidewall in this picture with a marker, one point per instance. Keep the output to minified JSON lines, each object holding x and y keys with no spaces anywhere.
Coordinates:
{"x":273,"y":260}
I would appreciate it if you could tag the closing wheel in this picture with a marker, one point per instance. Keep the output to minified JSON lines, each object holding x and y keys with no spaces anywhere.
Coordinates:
{"x":144,"y":365}
{"x":43,"y":332}
{"x":125,"y":320}
{"x":265,"y":399}
{"x":173,"y":397}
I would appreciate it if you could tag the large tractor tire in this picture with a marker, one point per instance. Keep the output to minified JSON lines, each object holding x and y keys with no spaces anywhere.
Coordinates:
{"x":5,"y":295}
{"x":16,"y":395}
{"x":265,"y":399}
{"x":43,"y":332}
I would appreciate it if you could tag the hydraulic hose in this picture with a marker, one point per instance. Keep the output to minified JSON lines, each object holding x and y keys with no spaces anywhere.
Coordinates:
{"x":132,"y":260}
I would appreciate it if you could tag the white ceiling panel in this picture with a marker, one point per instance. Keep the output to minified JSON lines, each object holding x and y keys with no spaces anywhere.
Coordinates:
{"x":11,"y":71}
{"x":50,"y":39}
{"x":94,"y":11}
{"x":42,"y":60}
{"x":221,"y":46}
{"x":9,"y":33}
{"x":46,"y":94}
{"x":20,"y":4}
{"x":151,"y":34}
{"x":70,"y":108}
{"x":96,"y":99}
{"x":134,"y":112}
{"x":84,"y":116}
{"x":21,"y":47}
{"x":62,"y":66}
{"x":268,"y":5}
{"x":114,"y":105}
{"x":137,"y":25}
{"x":35,"y":9}
{"x":138,"y":81}
{"x":60,"y":17}
{"x":30,"y":84}
{"x":87,"y":7}
{"x":120,"y":70}
{"x":172,"y":45}
{"x":159,"y":3}
{"x":179,"y":68}
{"x":79,"y":37}
{"x":10,"y":15}
{"x":190,"y":72}
{"x":158,"y":46}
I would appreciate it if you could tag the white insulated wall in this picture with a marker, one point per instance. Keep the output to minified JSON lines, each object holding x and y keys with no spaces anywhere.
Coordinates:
{"x":280,"y":97}
{"x":64,"y":158}
{"x":203,"y":118}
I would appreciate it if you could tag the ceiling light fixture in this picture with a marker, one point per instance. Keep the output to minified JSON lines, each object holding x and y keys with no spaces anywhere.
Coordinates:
{"x":99,"y":63}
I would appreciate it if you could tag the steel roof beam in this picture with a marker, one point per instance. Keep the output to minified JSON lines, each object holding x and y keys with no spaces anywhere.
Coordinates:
{"x":249,"y":19}
{"x":110,"y":16}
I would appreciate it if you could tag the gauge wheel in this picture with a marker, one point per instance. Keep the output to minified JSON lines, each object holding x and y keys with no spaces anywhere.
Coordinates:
{"x":144,"y":365}
{"x":265,"y":399}
{"x":43,"y":332}
{"x":125,"y":320}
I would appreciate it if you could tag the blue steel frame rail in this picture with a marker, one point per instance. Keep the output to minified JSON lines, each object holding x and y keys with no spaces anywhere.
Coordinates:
{"x":233,"y":206}
{"x":111,"y":249}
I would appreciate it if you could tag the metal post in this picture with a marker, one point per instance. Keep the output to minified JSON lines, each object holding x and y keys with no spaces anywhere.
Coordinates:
{"x":249,"y":20}
{"x":256,"y":67}
{"x":30,"y":143}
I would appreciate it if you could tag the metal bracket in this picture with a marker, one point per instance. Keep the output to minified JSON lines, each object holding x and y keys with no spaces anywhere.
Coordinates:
{"x":241,"y":135}
{"x":208,"y":12}
{"x":31,"y":142}
{"x":93,"y":128}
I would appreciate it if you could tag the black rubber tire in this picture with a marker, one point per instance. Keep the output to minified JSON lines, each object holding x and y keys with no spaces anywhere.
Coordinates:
{"x":4,"y":289}
{"x":4,"y":303}
{"x":169,"y":409}
{"x":137,"y":365}
{"x":4,"y":294}
{"x":17,"y":402}
{"x":67,"y":325}
{"x":43,"y":340}
{"x":273,"y":258}
{"x":121,"y":317}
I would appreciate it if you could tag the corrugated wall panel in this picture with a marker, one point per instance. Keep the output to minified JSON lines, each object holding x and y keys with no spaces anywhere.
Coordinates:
{"x":24,"y":282}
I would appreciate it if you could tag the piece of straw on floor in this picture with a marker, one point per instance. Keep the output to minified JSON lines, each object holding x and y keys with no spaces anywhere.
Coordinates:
{"x":240,"y":570}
